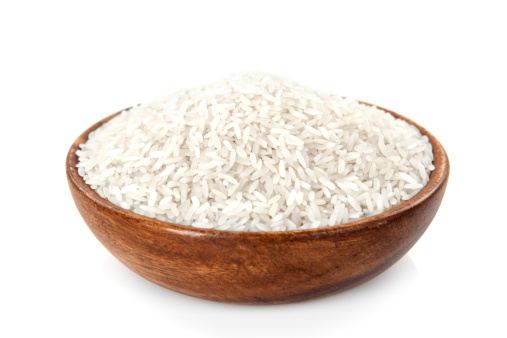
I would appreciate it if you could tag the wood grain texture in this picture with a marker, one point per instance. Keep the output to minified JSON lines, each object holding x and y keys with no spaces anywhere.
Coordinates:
{"x":259,"y":268}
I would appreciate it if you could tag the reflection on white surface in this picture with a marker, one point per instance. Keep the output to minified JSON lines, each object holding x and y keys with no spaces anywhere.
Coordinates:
{"x":210,"y":319}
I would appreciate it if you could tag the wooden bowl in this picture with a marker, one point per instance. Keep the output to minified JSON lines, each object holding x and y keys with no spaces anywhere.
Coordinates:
{"x":259,"y":268}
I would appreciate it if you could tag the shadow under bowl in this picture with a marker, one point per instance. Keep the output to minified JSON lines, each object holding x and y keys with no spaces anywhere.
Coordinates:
{"x":265,"y":267}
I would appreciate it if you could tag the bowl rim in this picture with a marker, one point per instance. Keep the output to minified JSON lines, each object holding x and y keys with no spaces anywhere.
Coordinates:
{"x":438,"y":178}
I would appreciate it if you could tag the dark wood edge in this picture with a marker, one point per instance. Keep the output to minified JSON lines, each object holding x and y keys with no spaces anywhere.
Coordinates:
{"x":438,"y":180}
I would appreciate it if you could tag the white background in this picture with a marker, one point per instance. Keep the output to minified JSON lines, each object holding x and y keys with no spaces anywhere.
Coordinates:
{"x":64,"y":66}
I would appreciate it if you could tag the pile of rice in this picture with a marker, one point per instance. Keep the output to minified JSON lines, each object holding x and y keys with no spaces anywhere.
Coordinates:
{"x":256,"y":152}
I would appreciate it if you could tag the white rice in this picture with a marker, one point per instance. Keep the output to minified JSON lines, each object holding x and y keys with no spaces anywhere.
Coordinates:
{"x":256,"y":152}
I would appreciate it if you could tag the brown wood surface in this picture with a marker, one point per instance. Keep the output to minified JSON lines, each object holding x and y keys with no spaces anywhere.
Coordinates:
{"x":259,"y":268}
